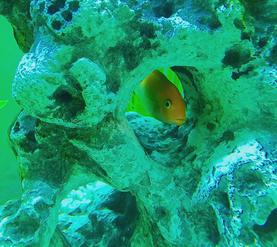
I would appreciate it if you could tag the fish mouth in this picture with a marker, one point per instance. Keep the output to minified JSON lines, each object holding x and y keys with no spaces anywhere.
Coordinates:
{"x":179,"y":121}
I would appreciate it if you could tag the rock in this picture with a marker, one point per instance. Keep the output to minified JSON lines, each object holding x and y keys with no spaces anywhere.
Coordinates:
{"x":97,"y":214}
{"x":95,"y":175}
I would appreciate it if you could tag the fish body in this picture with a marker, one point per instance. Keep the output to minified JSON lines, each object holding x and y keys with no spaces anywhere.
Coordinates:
{"x":156,"y":96}
{"x":173,"y":78}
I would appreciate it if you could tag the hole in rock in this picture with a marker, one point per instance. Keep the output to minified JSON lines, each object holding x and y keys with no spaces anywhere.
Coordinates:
{"x":96,"y":212}
{"x":23,"y":225}
{"x":67,"y":15}
{"x":256,"y":8}
{"x":16,"y":127}
{"x":147,"y":30}
{"x":56,"y":25}
{"x":245,"y":36}
{"x":222,"y":200}
{"x":236,"y":56}
{"x":210,"y":126}
{"x":163,"y":108}
{"x":31,"y":141}
{"x":237,"y":74}
{"x":228,"y":135}
{"x":269,"y":226}
{"x":262,"y":42}
{"x":62,"y":96}
{"x":164,"y":9}
{"x":74,"y":6}
{"x":70,"y":105}
{"x":161,"y":212}
{"x":210,"y":223}
{"x":248,"y":181}
{"x":52,"y":9}
{"x":239,"y":24}
{"x":211,"y":21}
{"x":160,"y":96}
{"x":55,"y":7}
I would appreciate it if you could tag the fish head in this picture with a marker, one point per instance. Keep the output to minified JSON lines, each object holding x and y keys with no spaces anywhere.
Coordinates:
{"x":172,"y":107}
{"x":165,"y":102}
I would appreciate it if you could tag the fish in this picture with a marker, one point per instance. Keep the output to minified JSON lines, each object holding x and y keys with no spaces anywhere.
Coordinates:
{"x":3,"y":103}
{"x":158,"y":97}
{"x":173,"y":78}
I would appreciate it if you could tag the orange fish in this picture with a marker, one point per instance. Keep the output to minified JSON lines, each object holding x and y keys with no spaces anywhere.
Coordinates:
{"x":158,"y":97}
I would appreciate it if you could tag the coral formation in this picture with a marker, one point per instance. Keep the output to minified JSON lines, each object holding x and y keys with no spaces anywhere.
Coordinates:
{"x":209,"y":182}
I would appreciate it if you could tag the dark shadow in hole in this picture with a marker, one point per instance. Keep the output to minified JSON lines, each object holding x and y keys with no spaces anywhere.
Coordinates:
{"x":236,"y":56}
{"x":74,"y":6}
{"x":67,"y":15}
{"x":56,"y":6}
{"x":164,"y":9}
{"x":237,"y":74}
{"x":16,"y":127}
{"x":62,"y":97}
{"x":56,"y":25}
{"x":269,"y":226}
{"x":71,"y":105}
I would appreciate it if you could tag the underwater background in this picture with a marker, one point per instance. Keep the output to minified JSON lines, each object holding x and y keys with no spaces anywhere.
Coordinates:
{"x":10,"y":55}
{"x":138,"y":123}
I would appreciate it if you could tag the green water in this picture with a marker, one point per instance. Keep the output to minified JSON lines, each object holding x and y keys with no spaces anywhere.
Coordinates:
{"x":10,"y":55}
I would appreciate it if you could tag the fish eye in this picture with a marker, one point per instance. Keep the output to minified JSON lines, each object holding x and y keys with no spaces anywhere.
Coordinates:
{"x":167,"y":103}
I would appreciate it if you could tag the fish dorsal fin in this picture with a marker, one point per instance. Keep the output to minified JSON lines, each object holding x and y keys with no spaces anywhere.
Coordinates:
{"x":173,"y":78}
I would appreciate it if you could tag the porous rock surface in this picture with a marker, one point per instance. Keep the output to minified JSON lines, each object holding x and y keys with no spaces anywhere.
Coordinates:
{"x":209,"y":182}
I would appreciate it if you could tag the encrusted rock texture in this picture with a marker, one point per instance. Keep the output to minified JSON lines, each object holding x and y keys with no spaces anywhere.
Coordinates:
{"x":93,"y":175}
